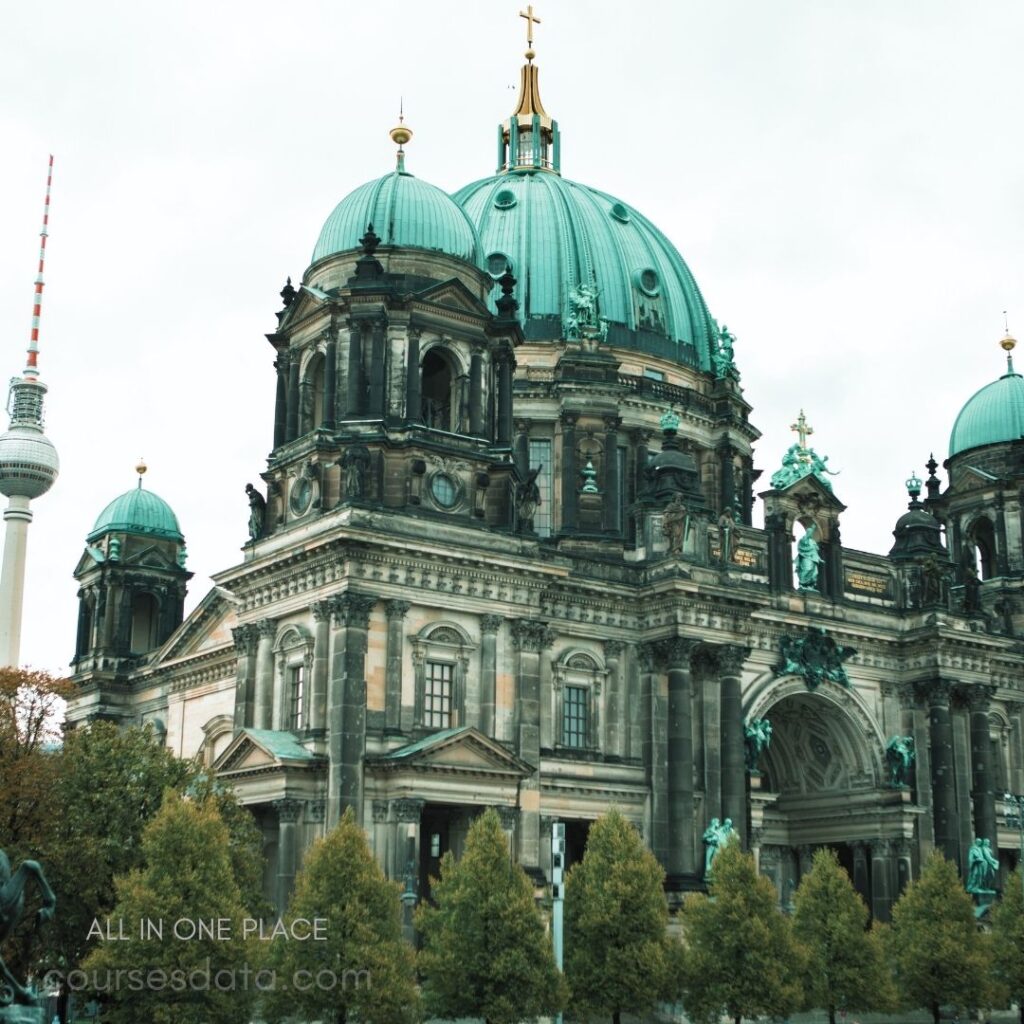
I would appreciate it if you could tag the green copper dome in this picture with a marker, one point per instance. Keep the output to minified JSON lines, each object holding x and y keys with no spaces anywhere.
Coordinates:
{"x":991,"y":415}
{"x":138,"y":511}
{"x":404,"y":211}
{"x":558,"y":235}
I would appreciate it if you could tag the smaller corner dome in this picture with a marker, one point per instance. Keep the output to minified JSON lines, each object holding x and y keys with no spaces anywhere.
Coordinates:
{"x":992,"y":415}
{"x":138,"y":511}
{"x":405,"y":212}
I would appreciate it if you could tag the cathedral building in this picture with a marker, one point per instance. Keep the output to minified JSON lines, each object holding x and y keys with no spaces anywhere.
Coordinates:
{"x":503,"y":554}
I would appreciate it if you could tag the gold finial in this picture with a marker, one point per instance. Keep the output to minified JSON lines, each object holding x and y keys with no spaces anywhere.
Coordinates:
{"x":803,"y":430}
{"x":1009,"y":343}
{"x":531,"y":20}
{"x":401,"y":133}
{"x":140,"y":468}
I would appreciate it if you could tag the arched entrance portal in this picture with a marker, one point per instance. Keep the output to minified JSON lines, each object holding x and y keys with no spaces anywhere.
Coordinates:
{"x":822,"y":783}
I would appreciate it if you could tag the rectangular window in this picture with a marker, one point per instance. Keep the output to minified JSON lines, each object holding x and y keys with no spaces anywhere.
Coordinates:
{"x":297,"y":695}
{"x":652,"y":374}
{"x":540,"y":455}
{"x":574,"y":717}
{"x":437,"y":695}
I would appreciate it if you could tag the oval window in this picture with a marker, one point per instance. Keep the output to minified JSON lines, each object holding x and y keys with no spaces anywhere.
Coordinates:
{"x":496,"y":264}
{"x":444,"y":490}
{"x":505,"y":199}
{"x":620,"y":213}
{"x":647,"y":281}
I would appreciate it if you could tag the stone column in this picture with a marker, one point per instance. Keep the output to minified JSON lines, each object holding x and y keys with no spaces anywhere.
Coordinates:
{"x":734,"y":768}
{"x":1002,"y":564}
{"x":321,"y":665}
{"x":780,"y":552}
{"x":489,"y":626}
{"x":505,"y":367}
{"x":529,"y":638}
{"x":396,"y":612}
{"x":292,"y":422}
{"x":330,"y":416}
{"x":406,"y":849}
{"x":413,"y":383}
{"x":264,"y":704}
{"x":881,"y":879}
{"x":616,"y":716}
{"x":476,"y":391}
{"x":522,"y":447}
{"x":245,"y":638}
{"x":676,"y":655}
{"x":569,"y":473}
{"x":612,"y":496}
{"x":377,"y":367}
{"x":860,"y":868}
{"x":940,"y":735}
{"x":509,"y":818}
{"x":904,"y":866}
{"x":354,"y":396}
{"x":641,"y":439}
{"x":287,"y":849}
{"x":983,"y":797}
{"x":281,"y":399}
{"x":382,"y":837}
{"x":727,"y":477}
{"x":711,"y":739}
{"x":1015,"y":762}
{"x":654,"y":744}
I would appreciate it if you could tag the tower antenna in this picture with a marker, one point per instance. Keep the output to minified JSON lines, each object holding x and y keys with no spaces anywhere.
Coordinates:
{"x":31,"y":366}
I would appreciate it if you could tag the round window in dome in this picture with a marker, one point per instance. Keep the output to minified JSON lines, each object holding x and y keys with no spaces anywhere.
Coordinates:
{"x":620,"y":213}
{"x":647,"y":281}
{"x":505,"y":199}
{"x":496,"y":264}
{"x":444,"y":490}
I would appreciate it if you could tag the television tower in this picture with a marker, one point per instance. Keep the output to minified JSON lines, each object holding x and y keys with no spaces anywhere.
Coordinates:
{"x":28,"y":467}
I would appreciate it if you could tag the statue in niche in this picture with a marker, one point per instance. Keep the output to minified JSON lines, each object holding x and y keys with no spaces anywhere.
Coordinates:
{"x":808,"y":558}
{"x":257,"y":512}
{"x":972,"y":589}
{"x":899,"y":756}
{"x":756,"y":738}
{"x":982,"y":868}
{"x":716,"y":835}
{"x":12,"y":909}
{"x":727,"y":523}
{"x":932,"y":578}
{"x":355,"y":464}
{"x":675,"y":525}
{"x":528,"y":500}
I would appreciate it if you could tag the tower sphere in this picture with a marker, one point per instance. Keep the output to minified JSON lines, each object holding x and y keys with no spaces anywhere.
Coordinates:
{"x":28,"y":462}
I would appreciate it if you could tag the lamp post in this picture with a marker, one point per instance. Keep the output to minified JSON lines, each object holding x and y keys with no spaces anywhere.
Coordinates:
{"x":557,"y":892}
{"x":1016,"y":801}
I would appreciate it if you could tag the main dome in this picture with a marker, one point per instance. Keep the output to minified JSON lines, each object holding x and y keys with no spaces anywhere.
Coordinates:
{"x":992,"y":415}
{"x":558,"y":234}
{"x":404,"y":211}
{"x":138,"y":511}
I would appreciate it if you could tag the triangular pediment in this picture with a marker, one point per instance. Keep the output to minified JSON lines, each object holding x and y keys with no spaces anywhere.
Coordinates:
{"x":809,"y":490}
{"x":454,"y":295}
{"x":258,"y":749}
{"x":208,"y":627}
{"x":151,"y":558}
{"x":461,"y":750}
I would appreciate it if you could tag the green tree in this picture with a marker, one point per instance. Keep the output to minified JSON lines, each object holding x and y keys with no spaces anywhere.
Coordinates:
{"x":186,"y":975}
{"x":845,"y":963}
{"x":366,"y":968}
{"x":617,"y":954}
{"x":485,"y":953}
{"x":742,"y":958}
{"x":1008,"y":941}
{"x":941,"y":958}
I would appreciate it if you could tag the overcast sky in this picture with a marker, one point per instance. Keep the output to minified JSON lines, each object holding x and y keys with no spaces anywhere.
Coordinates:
{"x":844,"y":180}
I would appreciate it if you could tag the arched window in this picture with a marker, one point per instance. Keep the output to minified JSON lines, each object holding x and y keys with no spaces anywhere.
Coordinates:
{"x":982,"y":538}
{"x":578,"y":680}
{"x":436,"y":390}
{"x":145,"y":623}
{"x":440,"y":657}
{"x":312,"y":406}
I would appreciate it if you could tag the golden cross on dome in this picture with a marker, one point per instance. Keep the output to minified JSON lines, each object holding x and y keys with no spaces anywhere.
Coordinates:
{"x":803,"y":429}
{"x":530,"y":22}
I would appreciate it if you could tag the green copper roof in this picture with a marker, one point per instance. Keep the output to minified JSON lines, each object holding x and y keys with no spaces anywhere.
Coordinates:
{"x":558,"y":234}
{"x":991,"y":415}
{"x":404,"y":211}
{"x":138,"y":511}
{"x":282,"y":745}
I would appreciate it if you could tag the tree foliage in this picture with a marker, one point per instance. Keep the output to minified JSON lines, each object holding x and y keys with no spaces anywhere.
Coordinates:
{"x":617,"y":954}
{"x":1008,"y":941}
{"x":178,"y":977}
{"x":941,"y":958}
{"x":742,"y":958}
{"x":845,"y":963}
{"x":366,"y":967}
{"x":485,"y":953}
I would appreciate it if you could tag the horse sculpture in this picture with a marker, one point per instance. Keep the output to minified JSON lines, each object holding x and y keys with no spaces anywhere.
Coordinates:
{"x":12,"y":909}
